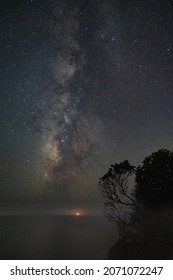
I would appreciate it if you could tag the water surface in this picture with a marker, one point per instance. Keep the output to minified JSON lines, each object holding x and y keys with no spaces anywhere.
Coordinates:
{"x":56,"y":237}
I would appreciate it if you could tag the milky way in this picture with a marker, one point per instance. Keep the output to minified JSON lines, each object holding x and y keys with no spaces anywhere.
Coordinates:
{"x":84,"y":84}
{"x":68,"y":145}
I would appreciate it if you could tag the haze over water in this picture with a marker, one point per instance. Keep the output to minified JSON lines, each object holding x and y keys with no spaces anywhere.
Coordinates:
{"x":56,"y":237}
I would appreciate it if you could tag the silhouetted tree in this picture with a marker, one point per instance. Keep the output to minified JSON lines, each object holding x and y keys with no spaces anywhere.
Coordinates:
{"x":143,"y":212}
{"x":119,"y":197}
{"x":154,"y":179}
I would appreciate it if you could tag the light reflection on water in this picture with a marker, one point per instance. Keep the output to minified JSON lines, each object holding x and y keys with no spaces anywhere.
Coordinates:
{"x":55,"y":237}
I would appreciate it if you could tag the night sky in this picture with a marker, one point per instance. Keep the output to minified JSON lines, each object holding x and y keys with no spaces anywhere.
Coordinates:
{"x":84,"y":84}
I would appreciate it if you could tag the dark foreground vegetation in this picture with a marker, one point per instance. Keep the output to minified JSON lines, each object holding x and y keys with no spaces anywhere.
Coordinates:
{"x":140,"y":200}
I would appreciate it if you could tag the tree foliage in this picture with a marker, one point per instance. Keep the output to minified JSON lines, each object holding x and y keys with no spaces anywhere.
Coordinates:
{"x":153,"y":185}
{"x":154,"y":179}
{"x":119,"y":198}
{"x":143,"y":210}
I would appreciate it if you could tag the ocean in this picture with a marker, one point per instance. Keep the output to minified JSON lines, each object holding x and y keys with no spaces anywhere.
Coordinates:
{"x":56,"y":237}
